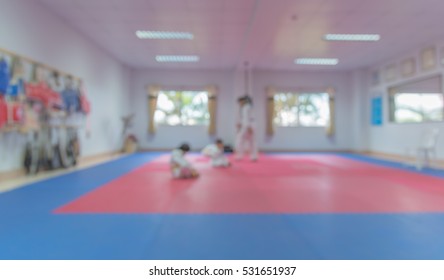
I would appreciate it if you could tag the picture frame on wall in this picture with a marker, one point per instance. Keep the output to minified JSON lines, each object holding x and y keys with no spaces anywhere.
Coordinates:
{"x":408,"y":67}
{"x":442,"y":56}
{"x":376,"y":77}
{"x":428,"y":59}
{"x":390,"y":73}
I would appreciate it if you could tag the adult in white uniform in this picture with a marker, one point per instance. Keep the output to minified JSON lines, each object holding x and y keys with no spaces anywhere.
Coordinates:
{"x":180,"y":167}
{"x":216,"y":153}
{"x":245,"y":138}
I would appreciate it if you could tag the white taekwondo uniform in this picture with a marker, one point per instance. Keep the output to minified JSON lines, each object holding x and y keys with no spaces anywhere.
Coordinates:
{"x":246,"y":133}
{"x":218,"y":158}
{"x":180,"y":167}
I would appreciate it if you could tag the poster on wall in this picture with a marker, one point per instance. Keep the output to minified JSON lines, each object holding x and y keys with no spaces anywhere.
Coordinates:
{"x":376,"y":111}
{"x":31,"y":94}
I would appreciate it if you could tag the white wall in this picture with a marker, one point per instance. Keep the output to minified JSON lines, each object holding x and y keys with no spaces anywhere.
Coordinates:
{"x":29,"y":29}
{"x":393,"y":138}
{"x":231,"y":87}
{"x":169,"y":137}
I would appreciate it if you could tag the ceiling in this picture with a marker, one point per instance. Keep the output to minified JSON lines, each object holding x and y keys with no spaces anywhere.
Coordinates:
{"x":269,"y":34}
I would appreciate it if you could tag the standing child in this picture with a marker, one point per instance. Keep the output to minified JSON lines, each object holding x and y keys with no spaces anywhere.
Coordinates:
{"x":246,"y":129}
{"x":216,"y":153}
{"x":180,"y":167}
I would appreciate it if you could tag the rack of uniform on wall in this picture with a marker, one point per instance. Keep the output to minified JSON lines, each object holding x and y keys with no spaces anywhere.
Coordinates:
{"x":46,"y":105}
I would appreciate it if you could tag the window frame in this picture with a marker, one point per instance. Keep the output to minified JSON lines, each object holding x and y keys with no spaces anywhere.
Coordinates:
{"x":392,"y":92}
{"x":300,"y":92}
{"x":182,"y":89}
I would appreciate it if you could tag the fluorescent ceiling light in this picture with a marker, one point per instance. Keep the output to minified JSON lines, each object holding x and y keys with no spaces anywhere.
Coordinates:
{"x":352,"y":37}
{"x":177,"y":58}
{"x":317,"y":61}
{"x":163,"y":35}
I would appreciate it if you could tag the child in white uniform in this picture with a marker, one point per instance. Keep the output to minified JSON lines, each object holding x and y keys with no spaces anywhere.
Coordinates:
{"x":180,"y":167}
{"x":216,"y":153}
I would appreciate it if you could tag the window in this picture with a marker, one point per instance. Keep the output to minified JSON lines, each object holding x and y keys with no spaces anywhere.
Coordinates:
{"x":182,"y":108}
{"x":301,"y":109}
{"x":417,"y":107}
{"x":418,"y":101}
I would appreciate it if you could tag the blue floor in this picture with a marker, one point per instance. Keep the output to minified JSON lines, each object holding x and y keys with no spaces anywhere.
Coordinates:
{"x":28,"y":229}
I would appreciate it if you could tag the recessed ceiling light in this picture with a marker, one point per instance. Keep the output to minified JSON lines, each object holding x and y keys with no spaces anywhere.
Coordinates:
{"x":352,"y":37}
{"x":177,"y":58}
{"x":164,"y":35}
{"x":316,"y":61}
